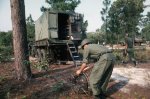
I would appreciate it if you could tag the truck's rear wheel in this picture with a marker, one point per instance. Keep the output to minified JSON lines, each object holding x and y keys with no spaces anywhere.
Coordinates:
{"x":39,"y":55}
{"x":43,"y":54}
{"x":33,"y":51}
{"x":50,"y":57}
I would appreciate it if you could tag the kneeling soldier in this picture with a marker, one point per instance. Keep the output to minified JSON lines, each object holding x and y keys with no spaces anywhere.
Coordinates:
{"x":102,"y":69}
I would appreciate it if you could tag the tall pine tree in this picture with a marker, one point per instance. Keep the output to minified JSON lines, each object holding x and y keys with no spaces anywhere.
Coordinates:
{"x":20,"y":46}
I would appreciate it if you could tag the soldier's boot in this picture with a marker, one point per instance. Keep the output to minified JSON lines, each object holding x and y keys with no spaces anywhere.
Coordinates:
{"x":96,"y":97}
{"x":135,"y":63}
{"x":101,"y":96}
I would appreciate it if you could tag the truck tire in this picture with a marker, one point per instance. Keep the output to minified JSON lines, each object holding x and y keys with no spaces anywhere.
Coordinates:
{"x":39,"y":55}
{"x":50,"y":57}
{"x":43,"y":54}
{"x":33,"y":52}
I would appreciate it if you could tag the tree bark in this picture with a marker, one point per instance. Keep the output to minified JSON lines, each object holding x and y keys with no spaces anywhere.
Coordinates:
{"x":20,"y":45}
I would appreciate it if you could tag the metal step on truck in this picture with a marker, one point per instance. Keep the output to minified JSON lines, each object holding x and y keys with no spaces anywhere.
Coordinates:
{"x":57,"y":36}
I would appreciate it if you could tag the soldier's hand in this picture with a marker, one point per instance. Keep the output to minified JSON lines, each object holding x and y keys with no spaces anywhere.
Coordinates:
{"x":78,"y":72}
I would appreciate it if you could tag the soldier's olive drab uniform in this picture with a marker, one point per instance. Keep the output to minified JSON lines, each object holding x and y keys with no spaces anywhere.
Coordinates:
{"x":102,"y":69}
{"x":130,"y":49}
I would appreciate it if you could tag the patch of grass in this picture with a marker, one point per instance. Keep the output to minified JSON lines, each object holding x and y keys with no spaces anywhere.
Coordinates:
{"x":138,"y":95}
{"x":42,"y":65}
{"x":58,"y":87}
{"x":142,"y":55}
{"x":24,"y":97}
{"x":2,"y":78}
{"x":5,"y":53}
{"x":119,"y":56}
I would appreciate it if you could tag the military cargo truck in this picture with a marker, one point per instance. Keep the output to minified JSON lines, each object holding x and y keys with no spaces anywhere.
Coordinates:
{"x":57,"y":35}
{"x":138,"y":41}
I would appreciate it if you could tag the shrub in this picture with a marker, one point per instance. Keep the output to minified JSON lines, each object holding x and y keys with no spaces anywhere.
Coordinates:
{"x":5,"y":53}
{"x":142,"y":55}
{"x":43,"y":65}
{"x":118,"y":55}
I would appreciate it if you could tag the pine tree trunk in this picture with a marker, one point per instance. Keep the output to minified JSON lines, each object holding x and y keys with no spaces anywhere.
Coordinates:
{"x":20,"y":46}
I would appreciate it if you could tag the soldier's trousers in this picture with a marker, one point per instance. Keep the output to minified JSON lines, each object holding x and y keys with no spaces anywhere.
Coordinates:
{"x":131,"y":56}
{"x":100,"y":75}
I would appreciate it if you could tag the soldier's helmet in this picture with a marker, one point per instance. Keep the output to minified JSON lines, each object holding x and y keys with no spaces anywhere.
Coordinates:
{"x":85,"y":41}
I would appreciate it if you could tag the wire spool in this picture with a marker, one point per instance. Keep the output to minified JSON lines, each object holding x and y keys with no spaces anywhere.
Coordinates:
{"x":80,"y":84}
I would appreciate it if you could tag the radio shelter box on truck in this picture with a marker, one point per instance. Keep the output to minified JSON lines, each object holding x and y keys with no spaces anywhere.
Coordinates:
{"x":58,"y":25}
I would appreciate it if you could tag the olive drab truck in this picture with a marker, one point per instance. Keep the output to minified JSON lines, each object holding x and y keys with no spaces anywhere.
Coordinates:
{"x":57,"y":36}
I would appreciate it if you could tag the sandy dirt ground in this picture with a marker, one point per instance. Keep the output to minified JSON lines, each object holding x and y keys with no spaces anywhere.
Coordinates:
{"x":127,"y":82}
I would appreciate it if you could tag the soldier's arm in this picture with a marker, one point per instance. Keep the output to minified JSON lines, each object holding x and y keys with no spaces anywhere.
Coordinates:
{"x":83,"y":66}
{"x":85,"y":61}
{"x":87,"y":68}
